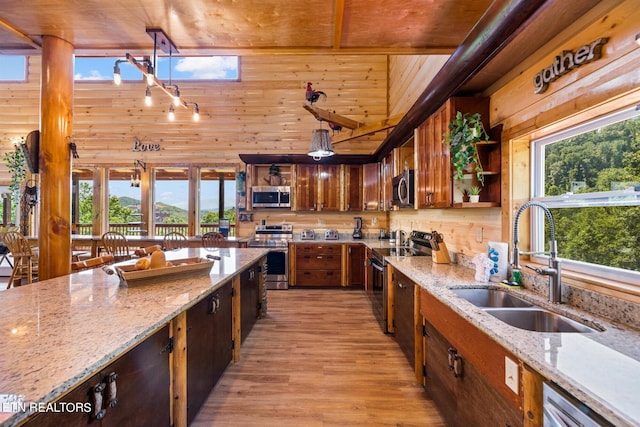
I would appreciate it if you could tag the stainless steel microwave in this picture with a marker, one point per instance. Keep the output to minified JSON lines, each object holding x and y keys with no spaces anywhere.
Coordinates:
{"x":403,"y":189}
{"x":268,"y":196}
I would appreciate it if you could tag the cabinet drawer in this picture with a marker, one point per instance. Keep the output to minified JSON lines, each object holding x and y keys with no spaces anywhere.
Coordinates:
{"x":318,"y":261}
{"x":318,"y":249}
{"x":318,"y":278}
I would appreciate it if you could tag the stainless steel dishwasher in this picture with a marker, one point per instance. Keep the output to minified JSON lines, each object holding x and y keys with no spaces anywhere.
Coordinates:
{"x":563,"y":410}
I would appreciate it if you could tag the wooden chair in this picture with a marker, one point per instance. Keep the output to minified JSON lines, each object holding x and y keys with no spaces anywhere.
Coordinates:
{"x":92,"y":263}
{"x":24,"y":259}
{"x":212,"y":239}
{"x":174,"y":240}
{"x":116,"y":244}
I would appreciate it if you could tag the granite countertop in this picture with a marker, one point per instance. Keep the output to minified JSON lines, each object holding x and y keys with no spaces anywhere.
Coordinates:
{"x":601,"y":369}
{"x":57,"y":332}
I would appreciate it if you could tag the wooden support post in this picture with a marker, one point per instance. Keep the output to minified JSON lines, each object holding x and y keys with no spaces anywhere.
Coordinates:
{"x":179,"y":370}
{"x":56,"y":103}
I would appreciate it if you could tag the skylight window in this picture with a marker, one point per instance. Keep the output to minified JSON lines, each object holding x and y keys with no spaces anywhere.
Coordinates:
{"x":182,"y":68}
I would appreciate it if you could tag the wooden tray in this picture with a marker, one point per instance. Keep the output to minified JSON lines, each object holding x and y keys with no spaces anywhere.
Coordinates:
{"x":193,"y":267}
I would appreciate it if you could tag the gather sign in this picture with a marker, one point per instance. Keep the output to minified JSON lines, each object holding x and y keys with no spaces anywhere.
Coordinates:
{"x":567,"y":61}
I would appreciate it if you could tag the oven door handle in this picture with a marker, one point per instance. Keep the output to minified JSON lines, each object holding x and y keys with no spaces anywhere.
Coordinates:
{"x":376,"y":265}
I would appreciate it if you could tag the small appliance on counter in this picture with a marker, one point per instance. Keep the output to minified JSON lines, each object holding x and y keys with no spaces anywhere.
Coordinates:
{"x":357,"y":230}
{"x":331,"y":235}
{"x":307,"y":235}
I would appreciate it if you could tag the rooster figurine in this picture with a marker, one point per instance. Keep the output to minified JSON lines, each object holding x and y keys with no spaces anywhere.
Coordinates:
{"x":313,"y":95}
{"x":334,"y":126}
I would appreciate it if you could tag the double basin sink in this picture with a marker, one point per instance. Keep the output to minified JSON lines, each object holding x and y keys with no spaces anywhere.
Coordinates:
{"x":518,"y":312}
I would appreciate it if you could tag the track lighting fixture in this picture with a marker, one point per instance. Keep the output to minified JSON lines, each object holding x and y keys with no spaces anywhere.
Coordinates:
{"x":147,"y":68}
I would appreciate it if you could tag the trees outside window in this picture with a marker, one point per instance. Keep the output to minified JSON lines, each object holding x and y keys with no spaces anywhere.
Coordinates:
{"x":590,"y":179}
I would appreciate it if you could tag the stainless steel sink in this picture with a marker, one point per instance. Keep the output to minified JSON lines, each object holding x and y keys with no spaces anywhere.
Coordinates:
{"x":537,"y":320}
{"x":491,"y":298}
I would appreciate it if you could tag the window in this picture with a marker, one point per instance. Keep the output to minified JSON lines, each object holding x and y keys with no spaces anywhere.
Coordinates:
{"x":14,"y":68}
{"x":82,"y":201}
{"x":124,"y":203}
{"x":171,"y":200}
{"x":182,"y":68}
{"x":589,"y":177}
{"x":217,"y":199}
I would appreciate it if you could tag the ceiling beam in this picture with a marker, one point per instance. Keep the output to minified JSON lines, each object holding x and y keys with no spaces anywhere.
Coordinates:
{"x":328,"y":116}
{"x":498,"y":26}
{"x":370,"y":128}
{"x":22,"y":36}
{"x":338,"y":8}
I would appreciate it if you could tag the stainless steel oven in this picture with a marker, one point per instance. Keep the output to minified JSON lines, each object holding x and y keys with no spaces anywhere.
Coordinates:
{"x":276,"y":238}
{"x":377,"y":290}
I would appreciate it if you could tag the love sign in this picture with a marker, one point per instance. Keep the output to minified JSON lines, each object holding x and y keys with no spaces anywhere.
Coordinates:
{"x":139,"y":146}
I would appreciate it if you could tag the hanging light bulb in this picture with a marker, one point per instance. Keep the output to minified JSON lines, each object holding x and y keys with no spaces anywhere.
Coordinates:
{"x":147,"y":96}
{"x":172,"y":113}
{"x":117,"y":78}
{"x":196,"y":113}
{"x":176,"y":97}
{"x":150,"y":75}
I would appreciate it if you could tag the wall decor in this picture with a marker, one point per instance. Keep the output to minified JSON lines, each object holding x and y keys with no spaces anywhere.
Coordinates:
{"x":567,"y":61}
{"x":139,"y":146}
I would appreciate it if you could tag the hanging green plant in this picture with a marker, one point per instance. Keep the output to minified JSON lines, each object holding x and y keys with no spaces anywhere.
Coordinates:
{"x":465,"y":131}
{"x":17,"y":165}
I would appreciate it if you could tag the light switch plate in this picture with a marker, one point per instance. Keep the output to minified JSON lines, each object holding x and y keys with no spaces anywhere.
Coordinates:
{"x":511,"y":374}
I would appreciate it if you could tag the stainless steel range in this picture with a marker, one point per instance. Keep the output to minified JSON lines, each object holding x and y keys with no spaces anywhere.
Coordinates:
{"x":419,"y":245}
{"x":276,"y":237}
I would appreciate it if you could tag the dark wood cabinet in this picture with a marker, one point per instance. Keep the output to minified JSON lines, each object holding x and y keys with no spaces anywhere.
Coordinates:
{"x":465,"y":370}
{"x":318,"y":264}
{"x":356,"y":263}
{"x":317,"y":188}
{"x":371,"y":187}
{"x":403,"y":312}
{"x":434,"y":178}
{"x":353,"y":192}
{"x":131,"y":391}
{"x":249,"y":299}
{"x":209,"y":346}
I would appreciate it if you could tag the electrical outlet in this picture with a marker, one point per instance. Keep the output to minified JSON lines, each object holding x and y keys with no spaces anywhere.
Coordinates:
{"x":479,"y":234}
{"x":511,"y":374}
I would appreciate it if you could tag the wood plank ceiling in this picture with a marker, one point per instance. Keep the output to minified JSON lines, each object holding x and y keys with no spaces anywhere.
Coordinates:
{"x":343,"y":47}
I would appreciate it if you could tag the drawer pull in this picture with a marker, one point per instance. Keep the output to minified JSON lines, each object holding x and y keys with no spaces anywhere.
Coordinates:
{"x":98,"y":412}
{"x":112,"y":390}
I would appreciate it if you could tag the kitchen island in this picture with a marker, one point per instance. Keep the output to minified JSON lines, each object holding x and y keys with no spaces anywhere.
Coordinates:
{"x":59,"y":332}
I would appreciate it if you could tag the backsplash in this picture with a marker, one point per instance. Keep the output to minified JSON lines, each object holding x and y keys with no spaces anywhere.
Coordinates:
{"x":611,"y":308}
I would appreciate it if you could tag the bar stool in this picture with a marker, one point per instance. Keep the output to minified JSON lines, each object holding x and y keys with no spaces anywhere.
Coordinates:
{"x":91,"y":263}
{"x":25,"y":261}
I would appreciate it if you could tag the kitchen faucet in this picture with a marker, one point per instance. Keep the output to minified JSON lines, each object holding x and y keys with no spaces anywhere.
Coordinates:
{"x":553,"y":271}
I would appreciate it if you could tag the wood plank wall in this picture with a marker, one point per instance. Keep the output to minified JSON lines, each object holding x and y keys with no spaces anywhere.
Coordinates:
{"x":589,"y":91}
{"x":261,"y":113}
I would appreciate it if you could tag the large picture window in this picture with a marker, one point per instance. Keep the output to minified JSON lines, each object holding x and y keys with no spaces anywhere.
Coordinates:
{"x":589,"y":177}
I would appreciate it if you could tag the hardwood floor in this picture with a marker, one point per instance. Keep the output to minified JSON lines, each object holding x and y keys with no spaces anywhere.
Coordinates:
{"x":318,"y":359}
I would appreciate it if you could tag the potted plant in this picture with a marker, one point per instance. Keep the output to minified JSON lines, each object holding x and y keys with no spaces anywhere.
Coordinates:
{"x":474,"y":194}
{"x":465,"y":131}
{"x":274,"y":177}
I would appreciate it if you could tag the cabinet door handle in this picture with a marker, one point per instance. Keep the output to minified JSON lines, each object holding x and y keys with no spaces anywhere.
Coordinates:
{"x":112,"y":390}
{"x":455,"y":362}
{"x":428,"y":198}
{"x":97,"y":411}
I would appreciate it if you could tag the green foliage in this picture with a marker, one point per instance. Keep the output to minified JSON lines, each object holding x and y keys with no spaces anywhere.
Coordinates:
{"x":474,"y":191}
{"x":17,"y":165}
{"x":85,"y":204}
{"x":465,"y":131}
{"x":119,"y":214}
{"x":604,"y":160}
